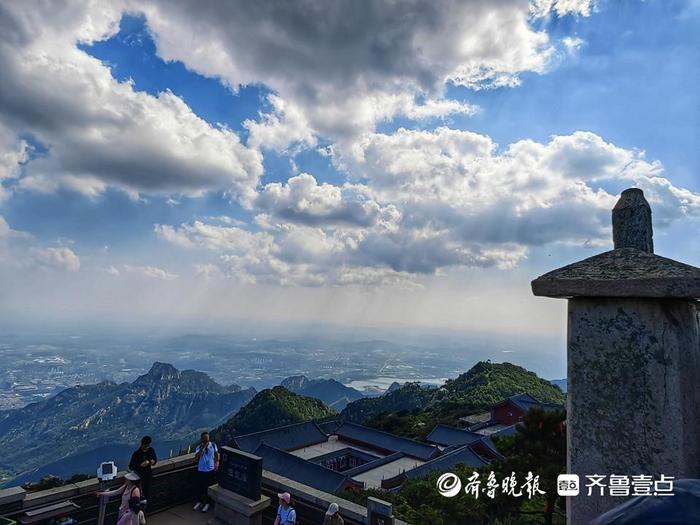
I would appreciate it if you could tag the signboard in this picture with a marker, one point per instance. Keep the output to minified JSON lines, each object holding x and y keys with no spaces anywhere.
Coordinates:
{"x":380,"y":512}
{"x":240,"y":472}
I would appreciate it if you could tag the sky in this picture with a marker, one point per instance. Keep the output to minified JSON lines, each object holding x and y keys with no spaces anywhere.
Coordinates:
{"x":389,"y":164}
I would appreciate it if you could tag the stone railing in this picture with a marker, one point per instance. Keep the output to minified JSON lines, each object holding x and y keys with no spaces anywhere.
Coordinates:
{"x":174,"y":484}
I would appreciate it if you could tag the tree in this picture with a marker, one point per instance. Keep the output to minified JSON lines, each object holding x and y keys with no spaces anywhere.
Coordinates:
{"x":538,"y":447}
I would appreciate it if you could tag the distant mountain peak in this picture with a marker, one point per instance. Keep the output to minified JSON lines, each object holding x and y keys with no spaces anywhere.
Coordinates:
{"x":295,"y":383}
{"x":332,"y":392}
{"x":269,"y":408}
{"x":161,"y":371}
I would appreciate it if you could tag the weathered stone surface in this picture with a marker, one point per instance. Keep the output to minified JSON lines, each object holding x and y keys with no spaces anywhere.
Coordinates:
{"x":633,"y":400}
{"x":624,"y":272}
{"x":631,"y":221}
{"x":633,"y":358}
{"x":234,"y":509}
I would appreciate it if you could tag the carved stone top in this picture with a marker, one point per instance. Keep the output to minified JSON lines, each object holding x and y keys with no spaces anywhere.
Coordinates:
{"x":631,"y":269}
{"x":624,"y":272}
{"x":631,"y":220}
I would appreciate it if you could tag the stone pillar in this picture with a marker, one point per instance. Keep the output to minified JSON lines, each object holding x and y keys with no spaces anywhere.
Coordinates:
{"x":233,"y":509}
{"x":379,"y":512}
{"x":238,"y":498}
{"x":633,"y":360}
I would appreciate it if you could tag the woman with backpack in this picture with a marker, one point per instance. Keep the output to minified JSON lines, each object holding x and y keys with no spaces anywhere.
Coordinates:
{"x":286,"y":515}
{"x":129,"y":490}
{"x":134,"y":515}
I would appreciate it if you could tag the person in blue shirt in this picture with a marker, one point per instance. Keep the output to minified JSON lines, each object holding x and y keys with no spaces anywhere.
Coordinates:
{"x":207,"y":457}
{"x":286,"y":515}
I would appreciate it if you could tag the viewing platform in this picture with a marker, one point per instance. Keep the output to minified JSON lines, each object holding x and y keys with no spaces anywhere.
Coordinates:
{"x":173,"y":491}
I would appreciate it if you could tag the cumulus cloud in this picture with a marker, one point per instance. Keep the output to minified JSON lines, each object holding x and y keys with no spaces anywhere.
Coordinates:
{"x":529,"y":194}
{"x":285,"y":125}
{"x":302,"y":200}
{"x":101,"y":132}
{"x":562,"y":7}
{"x":59,"y":258}
{"x":152,"y":272}
{"x":368,"y":61}
{"x":434,"y":200}
{"x":4,"y":228}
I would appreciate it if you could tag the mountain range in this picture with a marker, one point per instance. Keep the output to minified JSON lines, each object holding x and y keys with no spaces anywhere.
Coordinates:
{"x":333,"y":393}
{"x":166,"y":403}
{"x":413,"y":410}
{"x":65,"y":432}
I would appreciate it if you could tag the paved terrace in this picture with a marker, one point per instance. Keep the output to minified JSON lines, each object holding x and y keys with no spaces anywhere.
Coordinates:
{"x":171,"y":501}
{"x":182,"y":515}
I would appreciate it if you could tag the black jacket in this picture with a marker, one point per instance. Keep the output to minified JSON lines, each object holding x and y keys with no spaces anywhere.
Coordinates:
{"x":138,"y":457}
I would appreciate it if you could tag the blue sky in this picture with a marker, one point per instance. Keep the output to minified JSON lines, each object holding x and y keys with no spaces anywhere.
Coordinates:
{"x":249,"y":165}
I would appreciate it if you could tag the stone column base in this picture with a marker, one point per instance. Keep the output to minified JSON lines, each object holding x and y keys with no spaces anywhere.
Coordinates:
{"x":234,"y":509}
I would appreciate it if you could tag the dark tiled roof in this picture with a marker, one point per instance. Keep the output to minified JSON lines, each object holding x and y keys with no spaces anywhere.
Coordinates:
{"x":445,"y":463}
{"x":508,"y":431}
{"x":329,"y":427}
{"x":298,"y":469}
{"x":378,"y":440}
{"x":343,"y":451}
{"x":290,"y":437}
{"x":446,"y":436}
{"x":525,"y":402}
{"x":485,"y":448}
{"x":374,"y":464}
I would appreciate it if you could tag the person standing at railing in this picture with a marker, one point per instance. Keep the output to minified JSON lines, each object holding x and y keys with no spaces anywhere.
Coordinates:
{"x":333,"y":516}
{"x":142,"y":461}
{"x":207,"y":457}
{"x":286,"y":515}
{"x":130,"y":489}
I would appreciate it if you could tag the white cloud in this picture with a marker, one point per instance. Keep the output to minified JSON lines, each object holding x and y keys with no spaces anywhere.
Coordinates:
{"x":60,"y":258}
{"x":438,"y":108}
{"x":101,"y":132}
{"x":152,"y":272}
{"x":366,"y":62}
{"x":572,"y":44}
{"x":434,"y":200}
{"x":5,"y":230}
{"x":302,"y":200}
{"x":563,"y":7}
{"x":529,"y":194}
{"x":285,"y":125}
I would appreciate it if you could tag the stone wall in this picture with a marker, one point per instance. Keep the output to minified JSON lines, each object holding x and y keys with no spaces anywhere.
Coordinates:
{"x":173,"y":485}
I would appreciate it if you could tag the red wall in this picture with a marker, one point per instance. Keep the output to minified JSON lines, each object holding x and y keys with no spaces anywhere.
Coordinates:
{"x":507,"y":414}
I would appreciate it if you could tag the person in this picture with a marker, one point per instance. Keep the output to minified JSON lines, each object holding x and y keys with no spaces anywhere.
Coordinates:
{"x":286,"y":515}
{"x":142,"y":461}
{"x":134,"y":514}
{"x":207,"y":457}
{"x":333,"y":516}
{"x":130,"y":489}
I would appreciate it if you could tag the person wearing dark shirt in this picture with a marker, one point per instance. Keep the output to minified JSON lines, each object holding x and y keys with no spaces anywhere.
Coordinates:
{"x":142,"y":461}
